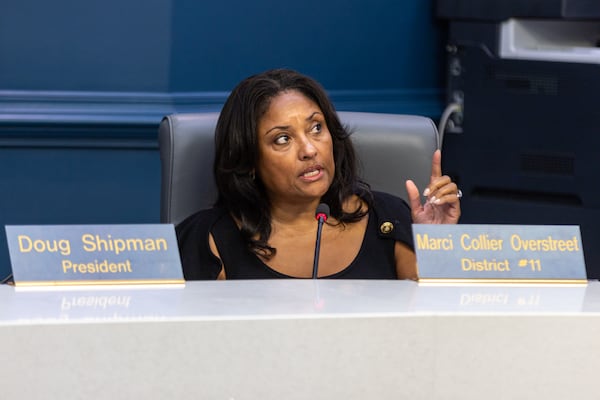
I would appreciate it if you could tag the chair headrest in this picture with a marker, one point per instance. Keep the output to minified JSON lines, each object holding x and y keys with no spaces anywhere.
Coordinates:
{"x":391,"y":148}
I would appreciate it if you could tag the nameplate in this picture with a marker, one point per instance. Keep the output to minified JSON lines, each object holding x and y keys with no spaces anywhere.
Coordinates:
{"x":499,"y":253}
{"x":94,"y":254}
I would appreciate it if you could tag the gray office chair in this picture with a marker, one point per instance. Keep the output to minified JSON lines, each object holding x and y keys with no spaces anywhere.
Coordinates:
{"x":391,"y":149}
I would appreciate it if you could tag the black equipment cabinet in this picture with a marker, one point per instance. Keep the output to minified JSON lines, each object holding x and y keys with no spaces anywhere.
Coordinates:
{"x":525,"y":146}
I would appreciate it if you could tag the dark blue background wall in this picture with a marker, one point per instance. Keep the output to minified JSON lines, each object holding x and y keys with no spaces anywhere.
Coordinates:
{"x":83,"y":86}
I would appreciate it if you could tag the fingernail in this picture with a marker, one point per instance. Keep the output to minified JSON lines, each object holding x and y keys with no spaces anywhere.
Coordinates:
{"x":426,"y":192}
{"x":433,"y":200}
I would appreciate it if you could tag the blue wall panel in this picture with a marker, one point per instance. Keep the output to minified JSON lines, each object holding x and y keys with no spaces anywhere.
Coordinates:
{"x":345,"y":44}
{"x":84,"y":85}
{"x":108,"y":45}
{"x":79,"y":185}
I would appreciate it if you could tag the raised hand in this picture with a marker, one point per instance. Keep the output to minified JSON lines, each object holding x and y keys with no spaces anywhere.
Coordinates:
{"x":442,"y":197}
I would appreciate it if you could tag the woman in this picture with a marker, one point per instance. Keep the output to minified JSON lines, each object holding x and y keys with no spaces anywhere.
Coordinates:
{"x":281,"y":150}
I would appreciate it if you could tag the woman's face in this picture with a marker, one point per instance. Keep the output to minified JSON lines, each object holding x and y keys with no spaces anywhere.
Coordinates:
{"x":295,"y":150}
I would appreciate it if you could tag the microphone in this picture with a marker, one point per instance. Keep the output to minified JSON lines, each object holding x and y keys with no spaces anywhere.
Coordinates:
{"x":321,"y":215}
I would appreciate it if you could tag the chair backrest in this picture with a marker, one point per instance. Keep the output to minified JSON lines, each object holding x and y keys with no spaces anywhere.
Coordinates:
{"x":391,"y":148}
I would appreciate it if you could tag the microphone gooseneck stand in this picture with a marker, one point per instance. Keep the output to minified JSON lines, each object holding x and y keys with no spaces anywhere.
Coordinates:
{"x":321,"y":215}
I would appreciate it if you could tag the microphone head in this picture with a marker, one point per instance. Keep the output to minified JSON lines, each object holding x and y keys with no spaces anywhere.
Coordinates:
{"x":322,"y":212}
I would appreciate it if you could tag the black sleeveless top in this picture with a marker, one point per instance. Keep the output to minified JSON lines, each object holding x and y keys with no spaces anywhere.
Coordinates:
{"x":375,"y":259}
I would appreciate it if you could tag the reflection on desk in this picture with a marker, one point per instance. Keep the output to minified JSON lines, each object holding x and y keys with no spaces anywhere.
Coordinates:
{"x":286,"y":299}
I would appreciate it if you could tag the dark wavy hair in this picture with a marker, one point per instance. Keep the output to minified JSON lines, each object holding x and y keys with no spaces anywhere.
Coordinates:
{"x":236,"y":138}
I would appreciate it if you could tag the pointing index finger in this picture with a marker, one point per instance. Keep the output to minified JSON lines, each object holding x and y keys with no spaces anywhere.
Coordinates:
{"x":436,"y":165}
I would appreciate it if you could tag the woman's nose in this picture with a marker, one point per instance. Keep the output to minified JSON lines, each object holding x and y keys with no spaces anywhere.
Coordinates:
{"x":307,"y":149}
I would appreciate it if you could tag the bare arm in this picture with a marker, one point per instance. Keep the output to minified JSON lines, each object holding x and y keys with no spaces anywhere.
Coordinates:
{"x":406,"y":262}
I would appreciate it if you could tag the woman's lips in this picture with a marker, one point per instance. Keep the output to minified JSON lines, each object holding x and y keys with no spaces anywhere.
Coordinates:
{"x":312,"y":173}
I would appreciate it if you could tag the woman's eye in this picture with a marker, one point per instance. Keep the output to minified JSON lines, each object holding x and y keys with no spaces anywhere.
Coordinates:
{"x":282,"y":139}
{"x":317,"y":127}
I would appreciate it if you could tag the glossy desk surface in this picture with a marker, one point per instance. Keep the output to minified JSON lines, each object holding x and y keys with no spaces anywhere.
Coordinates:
{"x":301,"y":339}
{"x":273,"y":299}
